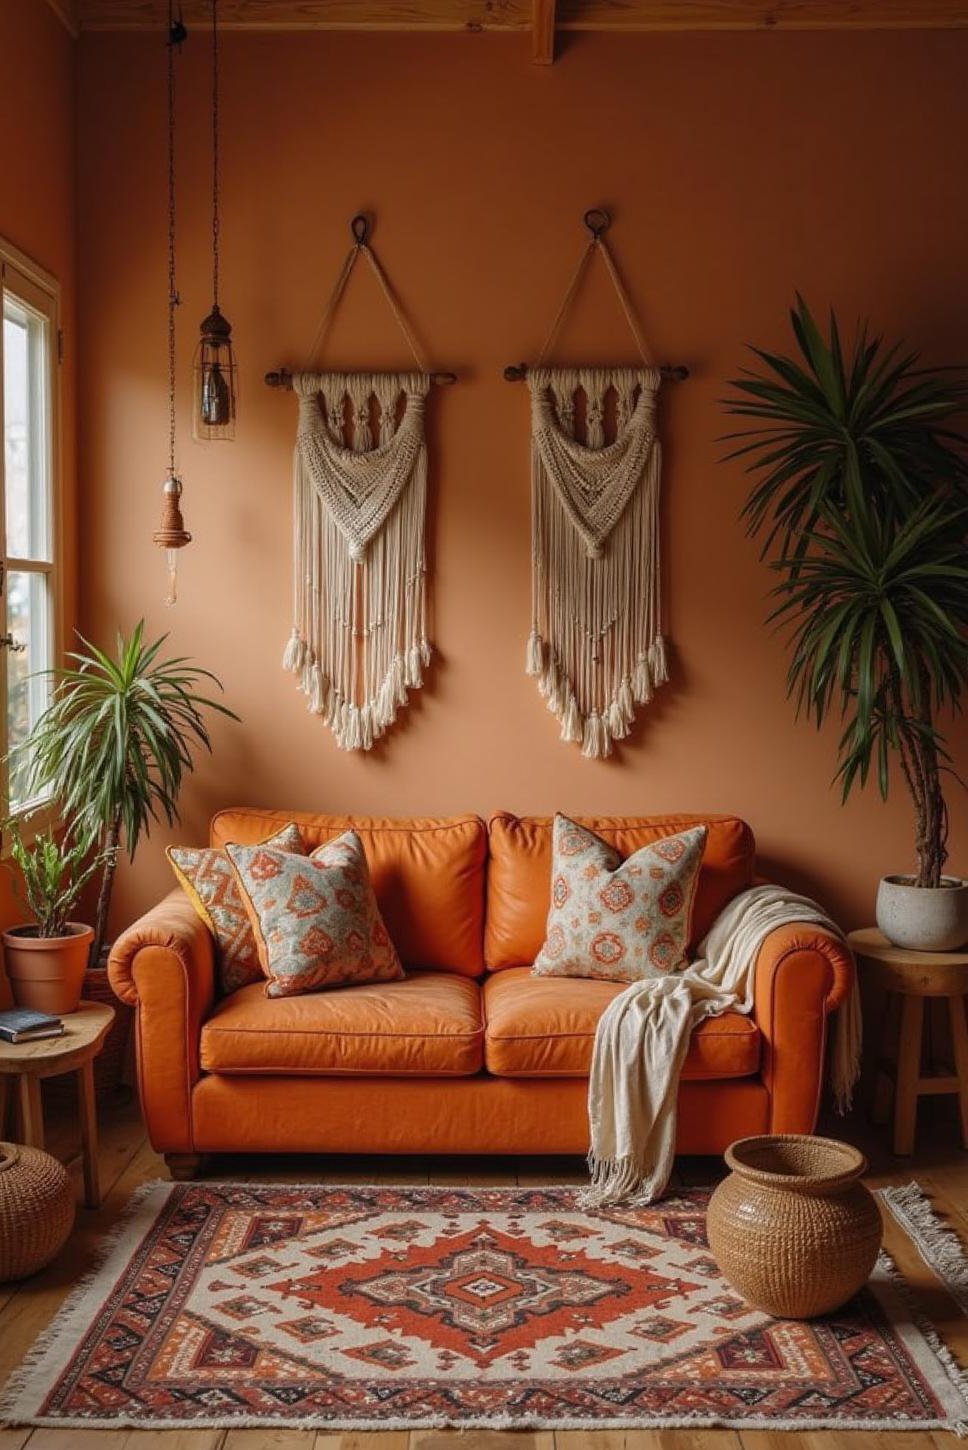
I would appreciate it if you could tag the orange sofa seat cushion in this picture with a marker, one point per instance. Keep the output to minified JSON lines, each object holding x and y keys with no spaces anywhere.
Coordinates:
{"x":428,"y":1025}
{"x":545,"y":1027}
{"x":427,"y":874}
{"x":519,"y":874}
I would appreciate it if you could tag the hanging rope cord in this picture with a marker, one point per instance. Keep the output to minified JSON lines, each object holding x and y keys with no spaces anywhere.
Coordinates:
{"x":216,"y":158}
{"x":598,"y":244}
{"x":173,"y":298}
{"x":362,"y":247}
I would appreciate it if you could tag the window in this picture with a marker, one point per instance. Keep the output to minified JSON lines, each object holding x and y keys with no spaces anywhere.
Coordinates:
{"x":28,"y":492}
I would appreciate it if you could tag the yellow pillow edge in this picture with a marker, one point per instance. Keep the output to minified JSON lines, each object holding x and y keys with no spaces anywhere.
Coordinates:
{"x":198,"y":905}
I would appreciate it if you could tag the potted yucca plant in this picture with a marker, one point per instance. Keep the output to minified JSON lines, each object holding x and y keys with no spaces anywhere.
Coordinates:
{"x":862,"y":503}
{"x":114,"y":745}
{"x":46,"y":958}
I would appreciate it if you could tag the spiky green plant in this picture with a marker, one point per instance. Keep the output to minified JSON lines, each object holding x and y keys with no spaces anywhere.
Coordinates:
{"x":51,"y":872}
{"x":114,"y":745}
{"x":863,"y":502}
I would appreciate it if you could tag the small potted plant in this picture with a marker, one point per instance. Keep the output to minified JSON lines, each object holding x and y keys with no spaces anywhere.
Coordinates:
{"x":46,"y":958}
{"x":863,"y":498}
{"x":114,"y":746}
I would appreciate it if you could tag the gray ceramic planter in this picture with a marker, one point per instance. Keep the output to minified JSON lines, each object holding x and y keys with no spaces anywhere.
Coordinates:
{"x":923,"y":919}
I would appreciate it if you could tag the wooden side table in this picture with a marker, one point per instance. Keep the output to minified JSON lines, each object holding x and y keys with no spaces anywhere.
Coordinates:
{"x":29,"y":1062}
{"x":915,"y":977}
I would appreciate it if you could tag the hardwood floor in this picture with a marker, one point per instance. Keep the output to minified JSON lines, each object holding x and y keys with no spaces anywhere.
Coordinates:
{"x":127,"y":1160}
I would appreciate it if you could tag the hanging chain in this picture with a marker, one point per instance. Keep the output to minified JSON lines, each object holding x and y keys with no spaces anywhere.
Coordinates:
{"x":216,"y":220}
{"x":175,"y":36}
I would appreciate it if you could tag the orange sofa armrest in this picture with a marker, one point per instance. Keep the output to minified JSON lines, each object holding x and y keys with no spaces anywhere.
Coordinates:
{"x":802,"y":974}
{"x":164,"y":966}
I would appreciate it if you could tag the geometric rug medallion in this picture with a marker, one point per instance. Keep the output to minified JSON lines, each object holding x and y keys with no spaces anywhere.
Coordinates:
{"x":399,"y":1307}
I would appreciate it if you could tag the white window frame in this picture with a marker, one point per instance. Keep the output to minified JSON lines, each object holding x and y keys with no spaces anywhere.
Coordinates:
{"x":39,"y":291}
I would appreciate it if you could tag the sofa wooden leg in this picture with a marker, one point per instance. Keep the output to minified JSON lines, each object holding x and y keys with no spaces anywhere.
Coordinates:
{"x":183,"y":1167}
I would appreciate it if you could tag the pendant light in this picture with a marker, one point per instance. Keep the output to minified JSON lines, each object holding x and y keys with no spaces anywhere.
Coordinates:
{"x":172,"y":535}
{"x":213,"y":413}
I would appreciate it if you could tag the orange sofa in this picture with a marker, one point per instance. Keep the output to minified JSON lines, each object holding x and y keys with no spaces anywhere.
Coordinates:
{"x":469,"y":1054}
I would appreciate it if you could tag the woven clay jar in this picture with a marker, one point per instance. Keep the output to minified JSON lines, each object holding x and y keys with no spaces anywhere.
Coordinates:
{"x":36,"y":1210}
{"x":792,"y":1228}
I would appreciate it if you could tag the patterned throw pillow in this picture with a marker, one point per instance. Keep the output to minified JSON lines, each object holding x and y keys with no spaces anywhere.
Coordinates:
{"x":620,"y":920}
{"x":315,"y":917}
{"x":209,"y":882}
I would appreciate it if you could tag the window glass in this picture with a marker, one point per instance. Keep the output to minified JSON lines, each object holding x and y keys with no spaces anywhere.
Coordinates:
{"x":28,"y":578}
{"x":26,"y":430}
{"x":28,"y":692}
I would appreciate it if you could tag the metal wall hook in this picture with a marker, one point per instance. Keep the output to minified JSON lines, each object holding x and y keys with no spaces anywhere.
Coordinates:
{"x":361,"y":227}
{"x":597,"y":220}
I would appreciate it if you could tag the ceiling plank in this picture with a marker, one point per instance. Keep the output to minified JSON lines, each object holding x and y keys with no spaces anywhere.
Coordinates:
{"x":627,"y":15}
{"x":314,"y":14}
{"x":516,"y":15}
{"x":543,"y":32}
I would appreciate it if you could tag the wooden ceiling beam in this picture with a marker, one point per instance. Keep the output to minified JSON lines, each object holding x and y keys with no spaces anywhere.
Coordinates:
{"x":540,"y":16}
{"x":543,"y":32}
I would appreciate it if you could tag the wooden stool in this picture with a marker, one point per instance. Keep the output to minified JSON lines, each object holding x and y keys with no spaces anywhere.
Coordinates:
{"x":29,"y":1062}
{"x":913,"y":977}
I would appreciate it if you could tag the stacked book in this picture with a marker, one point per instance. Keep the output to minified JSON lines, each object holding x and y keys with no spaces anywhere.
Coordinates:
{"x":21,"y":1024}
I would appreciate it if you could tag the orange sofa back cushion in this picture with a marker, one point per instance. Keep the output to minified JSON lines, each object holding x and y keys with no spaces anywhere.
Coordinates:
{"x":428,"y":875}
{"x":519,"y":874}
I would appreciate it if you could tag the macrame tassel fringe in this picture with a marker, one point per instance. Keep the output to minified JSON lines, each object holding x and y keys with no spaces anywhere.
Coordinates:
{"x":535,"y":656}
{"x":597,"y":742}
{"x":358,"y":642}
{"x":294,"y":653}
{"x":595,"y":648}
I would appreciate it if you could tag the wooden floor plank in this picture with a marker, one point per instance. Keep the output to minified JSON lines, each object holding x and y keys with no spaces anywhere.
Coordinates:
{"x":483,"y":1440}
{"x":272,"y":1440}
{"x":169,"y":1439}
{"x":13,"y":1439}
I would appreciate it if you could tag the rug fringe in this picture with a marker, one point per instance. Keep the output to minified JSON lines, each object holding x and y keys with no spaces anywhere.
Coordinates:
{"x":73,"y":1317}
{"x":942,"y":1250}
{"x":937,"y":1242}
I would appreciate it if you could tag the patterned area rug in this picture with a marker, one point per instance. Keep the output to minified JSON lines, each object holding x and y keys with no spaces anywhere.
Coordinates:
{"x":375,"y":1308}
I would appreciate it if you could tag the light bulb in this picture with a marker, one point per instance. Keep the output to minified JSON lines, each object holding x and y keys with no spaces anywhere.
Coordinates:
{"x":216,"y":400}
{"x":172,"y":596}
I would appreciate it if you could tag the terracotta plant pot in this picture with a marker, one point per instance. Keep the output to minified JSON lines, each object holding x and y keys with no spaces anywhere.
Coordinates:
{"x":47,"y":973}
{"x":792,"y":1228}
{"x":923,"y":918}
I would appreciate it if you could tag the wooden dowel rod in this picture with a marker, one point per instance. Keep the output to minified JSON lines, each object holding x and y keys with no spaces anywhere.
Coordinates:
{"x":283,"y":379}
{"x":517,"y":372}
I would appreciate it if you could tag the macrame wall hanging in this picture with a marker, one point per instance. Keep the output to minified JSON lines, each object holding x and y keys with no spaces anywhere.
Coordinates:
{"x":359,"y":638}
{"x":596,"y":646}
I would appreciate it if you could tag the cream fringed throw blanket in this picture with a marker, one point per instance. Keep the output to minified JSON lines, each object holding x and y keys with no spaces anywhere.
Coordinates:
{"x":644,"y":1034}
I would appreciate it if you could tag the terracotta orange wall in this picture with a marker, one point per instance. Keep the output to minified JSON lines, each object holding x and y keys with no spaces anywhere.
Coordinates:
{"x":37,"y":214}
{"x":738,"y":167}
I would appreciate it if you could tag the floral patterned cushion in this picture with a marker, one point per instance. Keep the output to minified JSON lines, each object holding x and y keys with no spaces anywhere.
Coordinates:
{"x":315,"y":917}
{"x":620,"y":920}
{"x":209,"y":882}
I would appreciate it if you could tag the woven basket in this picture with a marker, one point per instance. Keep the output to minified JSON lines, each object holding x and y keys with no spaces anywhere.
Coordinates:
{"x":36,"y":1210}
{"x":111,"y":1063}
{"x":792,"y":1228}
